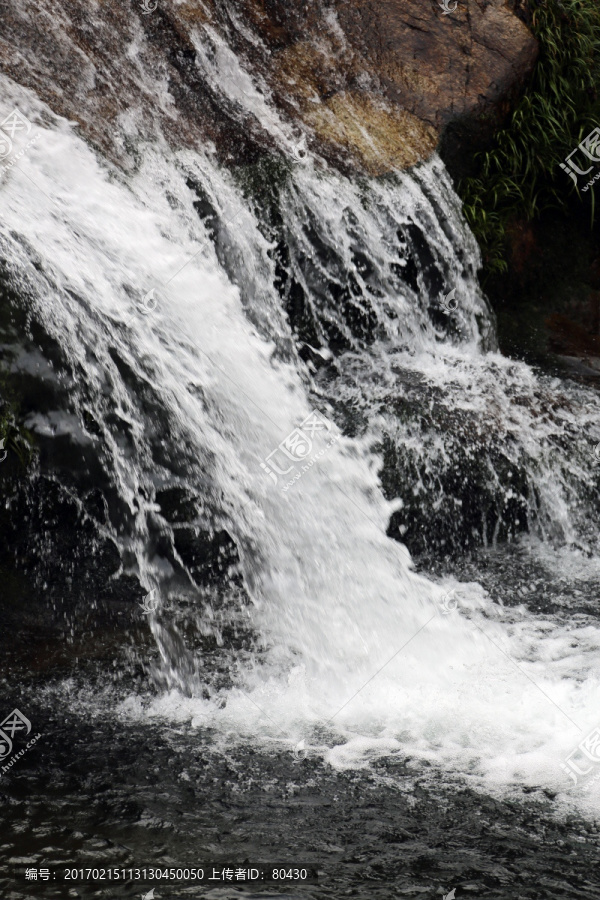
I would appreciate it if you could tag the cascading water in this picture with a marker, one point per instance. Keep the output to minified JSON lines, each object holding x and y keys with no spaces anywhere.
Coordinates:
{"x":292,"y":291}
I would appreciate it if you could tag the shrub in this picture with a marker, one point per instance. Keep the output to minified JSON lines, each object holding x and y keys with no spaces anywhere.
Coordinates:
{"x":520,"y":176}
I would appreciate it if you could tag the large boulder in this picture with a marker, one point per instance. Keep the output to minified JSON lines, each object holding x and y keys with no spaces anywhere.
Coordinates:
{"x":378,"y":83}
{"x":372,"y":84}
{"x":438,"y":66}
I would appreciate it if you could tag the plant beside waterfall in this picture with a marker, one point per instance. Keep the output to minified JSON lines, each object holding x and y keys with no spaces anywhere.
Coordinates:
{"x":521,"y":175}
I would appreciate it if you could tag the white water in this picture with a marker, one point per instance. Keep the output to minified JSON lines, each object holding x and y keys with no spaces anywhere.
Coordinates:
{"x":333,"y":599}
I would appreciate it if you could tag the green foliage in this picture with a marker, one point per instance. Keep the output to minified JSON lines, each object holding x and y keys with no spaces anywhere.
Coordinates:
{"x":520,"y":176}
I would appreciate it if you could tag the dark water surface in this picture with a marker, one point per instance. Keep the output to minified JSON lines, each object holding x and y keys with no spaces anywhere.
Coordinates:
{"x":97,"y":792}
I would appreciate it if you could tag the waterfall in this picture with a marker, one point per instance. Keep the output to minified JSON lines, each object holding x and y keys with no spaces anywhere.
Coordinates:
{"x":202,"y":321}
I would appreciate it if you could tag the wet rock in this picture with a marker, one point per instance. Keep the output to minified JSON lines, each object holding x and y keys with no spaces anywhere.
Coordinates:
{"x":208,"y":557}
{"x":62,"y":596}
{"x":569,"y":337}
{"x":371,"y":86}
{"x":178,"y":505}
{"x":442,"y":67}
{"x":475,"y":496}
{"x":433,"y":70}
{"x":380,"y":137}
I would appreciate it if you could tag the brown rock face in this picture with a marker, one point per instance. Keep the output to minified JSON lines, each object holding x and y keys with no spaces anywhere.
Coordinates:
{"x":380,"y":137}
{"x":377,"y":81}
{"x":441,"y":67}
{"x":370,"y":84}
